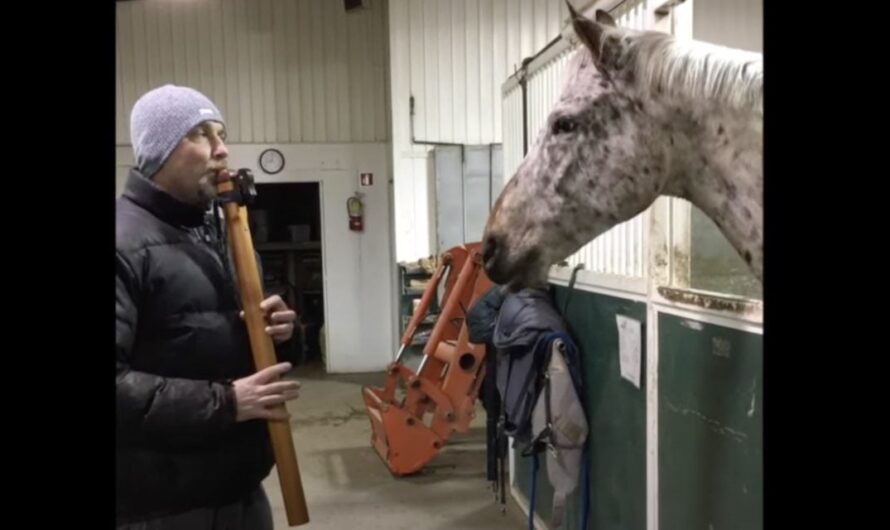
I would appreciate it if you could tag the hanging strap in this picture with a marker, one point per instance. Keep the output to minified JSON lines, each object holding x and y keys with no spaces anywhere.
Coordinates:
{"x":585,"y":493}
{"x":501,"y":444}
{"x":544,"y":439}
{"x":531,"y":502}
{"x":565,"y":305}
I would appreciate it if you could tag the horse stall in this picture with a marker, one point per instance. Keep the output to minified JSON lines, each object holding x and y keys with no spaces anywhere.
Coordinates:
{"x":669,"y":321}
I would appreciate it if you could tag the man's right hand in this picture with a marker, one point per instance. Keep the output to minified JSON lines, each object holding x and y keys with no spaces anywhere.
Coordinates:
{"x":258,"y":395}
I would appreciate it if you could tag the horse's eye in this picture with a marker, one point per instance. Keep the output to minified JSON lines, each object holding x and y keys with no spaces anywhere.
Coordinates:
{"x":564,"y":125}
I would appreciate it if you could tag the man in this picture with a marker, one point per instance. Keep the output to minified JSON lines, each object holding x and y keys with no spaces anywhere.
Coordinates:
{"x":192,"y":443}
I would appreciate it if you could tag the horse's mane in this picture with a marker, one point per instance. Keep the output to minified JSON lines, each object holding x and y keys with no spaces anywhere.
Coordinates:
{"x":696,"y":70}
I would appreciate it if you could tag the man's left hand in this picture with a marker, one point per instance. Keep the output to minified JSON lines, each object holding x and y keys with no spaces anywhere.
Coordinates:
{"x":280,"y":318}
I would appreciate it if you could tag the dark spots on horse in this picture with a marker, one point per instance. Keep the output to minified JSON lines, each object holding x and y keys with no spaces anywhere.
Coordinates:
{"x":597,"y":129}
{"x":569,"y":234}
{"x":611,"y":50}
{"x":612,"y":218}
{"x":606,"y":150}
{"x":545,"y":180}
{"x":731,"y":191}
{"x":604,"y":84}
{"x":632,"y":179}
{"x":645,"y":170}
{"x":747,"y":212}
{"x":629,"y":76}
{"x":720,"y":130}
{"x":703,"y":160}
{"x":591,"y":183}
{"x":613,"y":113}
{"x":671,"y":138}
{"x":528,"y":260}
{"x":562,"y":188}
{"x":620,"y":61}
{"x":748,"y":256}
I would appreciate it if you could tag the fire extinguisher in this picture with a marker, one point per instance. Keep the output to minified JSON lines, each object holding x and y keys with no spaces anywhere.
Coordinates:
{"x":355,"y":208}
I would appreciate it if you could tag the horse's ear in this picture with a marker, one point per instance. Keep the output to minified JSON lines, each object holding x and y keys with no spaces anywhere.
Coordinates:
{"x":589,"y":32}
{"x":603,"y":17}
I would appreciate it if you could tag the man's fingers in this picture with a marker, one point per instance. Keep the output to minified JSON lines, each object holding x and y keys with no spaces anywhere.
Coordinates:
{"x":278,"y":399}
{"x":279,"y":329}
{"x":273,"y":303}
{"x":271,"y":400}
{"x":272,"y":372}
{"x":283,"y":317}
{"x":280,"y":387}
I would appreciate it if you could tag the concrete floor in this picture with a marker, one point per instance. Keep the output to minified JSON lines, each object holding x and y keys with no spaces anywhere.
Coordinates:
{"x":348,"y":486}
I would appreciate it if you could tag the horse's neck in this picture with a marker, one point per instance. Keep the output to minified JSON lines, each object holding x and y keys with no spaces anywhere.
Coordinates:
{"x":716,"y":163}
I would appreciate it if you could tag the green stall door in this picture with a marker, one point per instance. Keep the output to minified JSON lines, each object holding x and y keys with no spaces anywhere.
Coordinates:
{"x":710,"y":426}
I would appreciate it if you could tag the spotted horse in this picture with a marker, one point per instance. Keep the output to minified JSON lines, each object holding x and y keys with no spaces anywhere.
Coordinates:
{"x":640,"y":114}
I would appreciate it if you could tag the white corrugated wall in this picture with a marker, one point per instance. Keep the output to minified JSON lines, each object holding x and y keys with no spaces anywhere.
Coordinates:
{"x":512,"y":140}
{"x":460,"y":52}
{"x":452,"y":56}
{"x":733,"y":23}
{"x":281,"y":71}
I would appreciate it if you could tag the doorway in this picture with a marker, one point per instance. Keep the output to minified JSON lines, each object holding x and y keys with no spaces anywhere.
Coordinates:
{"x":285,"y":223}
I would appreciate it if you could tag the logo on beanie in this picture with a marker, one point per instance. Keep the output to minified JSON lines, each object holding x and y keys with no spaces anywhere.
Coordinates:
{"x":206,"y":111}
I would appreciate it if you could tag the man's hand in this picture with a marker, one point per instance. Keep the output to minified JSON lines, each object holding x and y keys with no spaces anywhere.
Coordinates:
{"x":257,"y":395}
{"x":280,"y":318}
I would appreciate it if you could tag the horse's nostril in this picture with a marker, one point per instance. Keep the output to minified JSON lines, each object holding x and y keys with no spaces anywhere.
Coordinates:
{"x":489,"y":249}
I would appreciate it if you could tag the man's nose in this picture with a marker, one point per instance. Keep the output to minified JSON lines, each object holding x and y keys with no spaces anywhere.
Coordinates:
{"x":220,"y":150}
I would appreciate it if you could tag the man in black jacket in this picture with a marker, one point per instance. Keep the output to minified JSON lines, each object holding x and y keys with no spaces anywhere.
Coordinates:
{"x":192,"y":442}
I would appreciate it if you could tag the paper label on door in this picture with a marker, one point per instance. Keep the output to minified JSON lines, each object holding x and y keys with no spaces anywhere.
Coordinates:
{"x":629,"y":348}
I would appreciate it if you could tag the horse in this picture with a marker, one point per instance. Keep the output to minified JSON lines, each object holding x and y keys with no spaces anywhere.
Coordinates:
{"x":640,"y":114}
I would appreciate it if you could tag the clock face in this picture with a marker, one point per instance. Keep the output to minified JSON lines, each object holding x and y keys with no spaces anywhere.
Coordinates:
{"x":272,"y":161}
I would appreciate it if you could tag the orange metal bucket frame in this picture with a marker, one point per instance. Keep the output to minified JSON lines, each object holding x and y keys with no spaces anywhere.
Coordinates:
{"x":441,"y":397}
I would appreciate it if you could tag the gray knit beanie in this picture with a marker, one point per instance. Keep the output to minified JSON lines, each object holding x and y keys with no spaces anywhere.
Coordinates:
{"x":160,"y":120}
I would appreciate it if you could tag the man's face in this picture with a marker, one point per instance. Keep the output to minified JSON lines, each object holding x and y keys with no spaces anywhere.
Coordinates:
{"x":190,"y":173}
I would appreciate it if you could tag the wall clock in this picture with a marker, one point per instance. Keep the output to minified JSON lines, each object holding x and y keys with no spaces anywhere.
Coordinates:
{"x":271,"y":161}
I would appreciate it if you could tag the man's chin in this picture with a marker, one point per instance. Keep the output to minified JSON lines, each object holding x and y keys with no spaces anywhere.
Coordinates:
{"x":206,"y":193}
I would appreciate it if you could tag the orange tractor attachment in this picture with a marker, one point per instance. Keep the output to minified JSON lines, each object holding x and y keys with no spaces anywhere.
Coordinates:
{"x":439,"y":399}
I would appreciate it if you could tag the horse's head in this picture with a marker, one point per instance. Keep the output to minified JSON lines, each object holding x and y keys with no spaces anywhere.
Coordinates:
{"x":639,"y":115}
{"x":592,"y":166}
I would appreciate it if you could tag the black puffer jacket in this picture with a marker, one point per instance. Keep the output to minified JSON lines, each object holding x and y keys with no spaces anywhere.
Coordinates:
{"x":180,"y":343}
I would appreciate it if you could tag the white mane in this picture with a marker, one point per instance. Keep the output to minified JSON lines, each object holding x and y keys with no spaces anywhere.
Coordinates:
{"x":696,"y":70}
